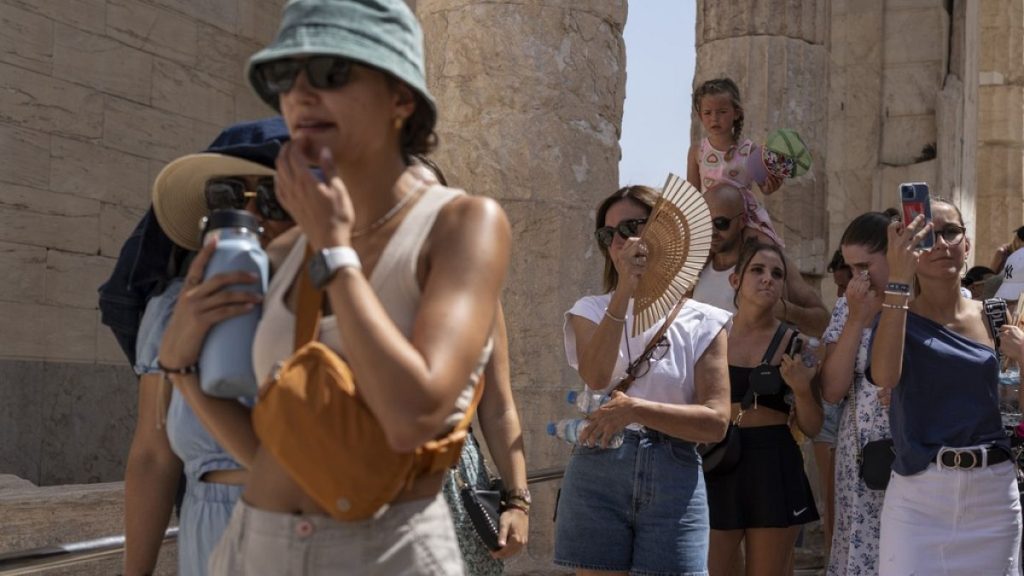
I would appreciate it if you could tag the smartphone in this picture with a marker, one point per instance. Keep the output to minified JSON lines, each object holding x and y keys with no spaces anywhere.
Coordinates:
{"x":795,"y":347}
{"x":915,"y":200}
{"x":995,"y":309}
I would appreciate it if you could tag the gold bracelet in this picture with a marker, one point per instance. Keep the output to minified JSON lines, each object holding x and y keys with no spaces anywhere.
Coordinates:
{"x":895,"y":293}
{"x":613,"y":317}
{"x":517,"y":505}
{"x":896,"y":306}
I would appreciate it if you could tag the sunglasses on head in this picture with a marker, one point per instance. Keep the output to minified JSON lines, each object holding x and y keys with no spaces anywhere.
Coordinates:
{"x":234,"y":193}
{"x":323,"y":73}
{"x":627,"y":229}
{"x":722,"y":223}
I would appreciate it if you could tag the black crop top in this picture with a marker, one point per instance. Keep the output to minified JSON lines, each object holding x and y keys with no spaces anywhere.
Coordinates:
{"x":739,"y":383}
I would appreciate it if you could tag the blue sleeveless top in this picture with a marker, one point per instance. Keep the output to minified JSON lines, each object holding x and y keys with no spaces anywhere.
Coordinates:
{"x":948,"y":395}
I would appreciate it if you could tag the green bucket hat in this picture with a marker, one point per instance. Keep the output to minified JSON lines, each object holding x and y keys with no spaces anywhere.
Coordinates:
{"x":383,"y":34}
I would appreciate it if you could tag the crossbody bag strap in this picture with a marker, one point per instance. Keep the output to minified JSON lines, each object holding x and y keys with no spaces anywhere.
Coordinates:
{"x":773,"y":346}
{"x":628,"y":380}
{"x":308,"y":305}
{"x":990,"y":305}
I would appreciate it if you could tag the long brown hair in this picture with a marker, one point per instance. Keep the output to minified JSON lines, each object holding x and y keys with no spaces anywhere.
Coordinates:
{"x":644,"y":196}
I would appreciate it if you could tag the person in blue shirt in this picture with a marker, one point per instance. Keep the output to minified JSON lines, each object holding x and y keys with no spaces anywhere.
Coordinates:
{"x":952,"y":505}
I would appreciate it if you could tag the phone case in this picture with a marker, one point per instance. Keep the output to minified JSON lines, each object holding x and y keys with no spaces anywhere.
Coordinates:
{"x":914,"y":199}
{"x":795,"y":347}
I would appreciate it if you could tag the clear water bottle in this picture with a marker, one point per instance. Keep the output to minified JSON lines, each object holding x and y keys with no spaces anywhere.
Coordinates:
{"x":587,"y":401}
{"x":571,"y":428}
{"x":225,"y":363}
{"x":810,"y":352}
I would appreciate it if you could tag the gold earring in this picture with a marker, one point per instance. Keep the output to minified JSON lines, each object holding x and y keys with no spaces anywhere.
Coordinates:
{"x":398,"y":123}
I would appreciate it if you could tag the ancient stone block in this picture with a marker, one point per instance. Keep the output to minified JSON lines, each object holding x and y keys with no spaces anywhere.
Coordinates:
{"x":108,"y":351}
{"x":224,"y":58}
{"x":904,"y":139}
{"x":22,"y":338}
{"x":37,"y":218}
{"x":27,"y":40}
{"x":916,"y":35}
{"x":70,"y":334}
{"x":92,"y":170}
{"x":26,"y":278}
{"x":84,"y":14}
{"x":26,"y":155}
{"x":1002,"y":39}
{"x":188,"y":92}
{"x":259,"y":19}
{"x":72,"y":279}
{"x":102,"y":63}
{"x":999,"y":114}
{"x":799,"y":19}
{"x":911,"y":89}
{"x":146,"y":131}
{"x":48,"y":104}
{"x":116,"y":225}
{"x":155,"y":30}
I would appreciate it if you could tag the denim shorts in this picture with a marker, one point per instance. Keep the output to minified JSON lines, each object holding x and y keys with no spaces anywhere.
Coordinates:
{"x":830,"y":424}
{"x":641,"y":508}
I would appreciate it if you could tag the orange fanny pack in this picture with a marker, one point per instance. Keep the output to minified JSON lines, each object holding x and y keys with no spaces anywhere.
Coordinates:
{"x":312,"y":419}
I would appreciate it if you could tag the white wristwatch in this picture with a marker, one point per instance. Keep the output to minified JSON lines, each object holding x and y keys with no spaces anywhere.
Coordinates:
{"x":326,"y":263}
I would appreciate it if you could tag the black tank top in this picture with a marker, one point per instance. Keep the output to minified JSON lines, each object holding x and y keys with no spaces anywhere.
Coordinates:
{"x":739,"y":383}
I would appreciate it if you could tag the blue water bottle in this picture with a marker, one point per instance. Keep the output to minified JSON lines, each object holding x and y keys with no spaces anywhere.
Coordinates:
{"x":225,"y":363}
{"x":571,"y":428}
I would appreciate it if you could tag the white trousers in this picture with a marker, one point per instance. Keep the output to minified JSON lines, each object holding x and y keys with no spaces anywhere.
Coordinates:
{"x":946,"y":521}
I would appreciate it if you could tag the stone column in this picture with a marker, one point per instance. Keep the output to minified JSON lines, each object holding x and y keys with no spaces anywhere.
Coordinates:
{"x":777,"y":53}
{"x":1000,"y":198}
{"x":530,"y":98}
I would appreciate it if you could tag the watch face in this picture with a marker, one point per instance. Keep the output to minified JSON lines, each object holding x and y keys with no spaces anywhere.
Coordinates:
{"x":318,"y":270}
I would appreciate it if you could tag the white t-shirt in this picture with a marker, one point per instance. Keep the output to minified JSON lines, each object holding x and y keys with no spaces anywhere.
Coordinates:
{"x":669,"y":380}
{"x":713,"y":288}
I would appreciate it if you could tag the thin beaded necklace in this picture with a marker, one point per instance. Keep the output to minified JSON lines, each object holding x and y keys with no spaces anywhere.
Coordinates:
{"x":388,"y":215}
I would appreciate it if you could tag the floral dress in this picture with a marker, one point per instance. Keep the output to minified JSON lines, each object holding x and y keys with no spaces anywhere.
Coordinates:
{"x":476,"y":557}
{"x":730,"y":167}
{"x":858,"y":508}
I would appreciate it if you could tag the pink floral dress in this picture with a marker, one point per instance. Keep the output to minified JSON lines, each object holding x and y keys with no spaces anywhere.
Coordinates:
{"x":716,"y":168}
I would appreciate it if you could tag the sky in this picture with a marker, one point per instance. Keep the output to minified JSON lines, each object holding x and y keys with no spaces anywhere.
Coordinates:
{"x":660,"y":57}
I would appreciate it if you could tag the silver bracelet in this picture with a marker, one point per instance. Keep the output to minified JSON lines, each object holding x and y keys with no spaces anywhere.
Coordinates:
{"x":614,"y":317}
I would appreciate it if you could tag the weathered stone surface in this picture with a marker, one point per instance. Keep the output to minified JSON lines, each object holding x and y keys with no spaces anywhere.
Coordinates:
{"x":116,"y":225}
{"x":916,"y":34}
{"x":27,"y":283}
{"x":27,"y":39}
{"x":157,"y":31}
{"x":1002,"y":40}
{"x":904,"y":139}
{"x":26,"y":156}
{"x":259,"y":19}
{"x":69,"y":277}
{"x":798,"y":19}
{"x":146,"y":131}
{"x":64,"y":422}
{"x":92,"y":170}
{"x":1000,"y":119}
{"x":102,"y":63}
{"x":84,"y":14}
{"x":188,"y":92}
{"x":40,"y":102}
{"x":911,"y":89}
{"x":37,"y":218}
{"x":224,"y":58}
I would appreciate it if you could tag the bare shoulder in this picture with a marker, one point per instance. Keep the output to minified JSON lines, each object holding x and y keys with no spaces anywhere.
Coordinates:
{"x":471,"y":217}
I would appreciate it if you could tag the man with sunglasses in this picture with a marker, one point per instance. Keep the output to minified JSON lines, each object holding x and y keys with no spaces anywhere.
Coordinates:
{"x":801,"y":305}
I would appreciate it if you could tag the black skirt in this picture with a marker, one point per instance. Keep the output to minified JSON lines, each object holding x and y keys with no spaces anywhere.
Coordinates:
{"x":768,"y":489}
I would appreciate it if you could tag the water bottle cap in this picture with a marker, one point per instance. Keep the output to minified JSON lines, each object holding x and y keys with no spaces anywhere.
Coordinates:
{"x":571,"y":397}
{"x":230,"y":219}
{"x":812,"y":341}
{"x":552,"y":429}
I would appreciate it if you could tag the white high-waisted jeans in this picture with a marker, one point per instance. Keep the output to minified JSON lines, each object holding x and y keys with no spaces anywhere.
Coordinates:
{"x":947,"y":521}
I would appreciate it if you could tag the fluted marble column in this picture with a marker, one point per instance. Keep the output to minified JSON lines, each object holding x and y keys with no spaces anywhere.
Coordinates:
{"x":530,"y":97}
{"x":1000,"y":199}
{"x":778,"y":55}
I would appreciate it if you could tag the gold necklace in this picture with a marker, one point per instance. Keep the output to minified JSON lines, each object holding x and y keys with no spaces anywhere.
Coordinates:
{"x":387,"y":215}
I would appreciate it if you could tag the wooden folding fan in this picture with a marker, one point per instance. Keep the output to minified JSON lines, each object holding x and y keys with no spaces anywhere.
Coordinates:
{"x":678,"y":240}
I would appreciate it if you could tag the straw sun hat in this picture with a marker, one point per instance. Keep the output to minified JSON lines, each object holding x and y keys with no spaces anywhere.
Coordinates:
{"x":245,"y":149}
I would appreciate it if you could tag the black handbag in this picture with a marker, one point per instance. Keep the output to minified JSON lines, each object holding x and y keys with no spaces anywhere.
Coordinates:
{"x":720,"y":458}
{"x":875,"y":464}
{"x":483,"y":506}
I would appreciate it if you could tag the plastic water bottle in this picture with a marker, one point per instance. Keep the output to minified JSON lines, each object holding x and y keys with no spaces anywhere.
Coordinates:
{"x":225,"y":363}
{"x":587,"y":401}
{"x":571,"y":428}
{"x":810,"y":353}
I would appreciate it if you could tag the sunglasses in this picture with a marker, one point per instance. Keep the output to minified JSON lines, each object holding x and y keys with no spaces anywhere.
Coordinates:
{"x":722,"y":223}
{"x":952,"y":235}
{"x":234,"y":193}
{"x":642,"y":365}
{"x":276,"y":77}
{"x":626,"y":229}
